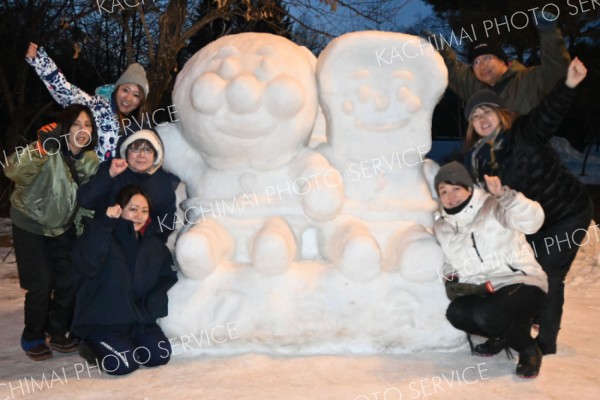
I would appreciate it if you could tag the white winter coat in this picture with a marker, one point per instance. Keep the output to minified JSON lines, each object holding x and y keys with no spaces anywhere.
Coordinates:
{"x":486,"y":240}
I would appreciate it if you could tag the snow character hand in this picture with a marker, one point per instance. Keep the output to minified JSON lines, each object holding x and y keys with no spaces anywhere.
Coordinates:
{"x":576,"y":73}
{"x":117,"y":165}
{"x":114,"y":211}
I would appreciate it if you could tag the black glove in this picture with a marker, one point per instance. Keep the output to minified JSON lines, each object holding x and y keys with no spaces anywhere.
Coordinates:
{"x":456,"y":289}
{"x":545,"y":20}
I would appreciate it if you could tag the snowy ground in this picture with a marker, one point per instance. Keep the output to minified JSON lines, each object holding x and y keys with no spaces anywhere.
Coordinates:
{"x":571,"y":374}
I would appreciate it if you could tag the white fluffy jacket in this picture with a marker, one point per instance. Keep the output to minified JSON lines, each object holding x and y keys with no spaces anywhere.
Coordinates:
{"x":486,"y":240}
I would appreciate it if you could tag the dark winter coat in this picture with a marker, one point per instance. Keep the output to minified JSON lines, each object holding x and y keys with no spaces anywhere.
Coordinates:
{"x":102,"y":190}
{"x":520,"y":88}
{"x":121,"y":280}
{"x":525,"y":161}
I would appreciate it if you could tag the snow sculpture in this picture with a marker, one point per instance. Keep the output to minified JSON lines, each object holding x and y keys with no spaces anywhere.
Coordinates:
{"x":263,"y":208}
{"x":378,"y":91}
{"x":247,"y":105}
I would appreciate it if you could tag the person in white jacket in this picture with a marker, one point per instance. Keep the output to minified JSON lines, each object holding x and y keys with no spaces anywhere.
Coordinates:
{"x":492,"y":278}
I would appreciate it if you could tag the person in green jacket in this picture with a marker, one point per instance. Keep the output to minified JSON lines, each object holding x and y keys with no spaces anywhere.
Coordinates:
{"x":46,"y":174}
{"x":520,"y":88}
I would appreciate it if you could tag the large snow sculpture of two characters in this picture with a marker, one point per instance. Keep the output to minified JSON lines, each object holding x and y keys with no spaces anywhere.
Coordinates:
{"x":247,"y":105}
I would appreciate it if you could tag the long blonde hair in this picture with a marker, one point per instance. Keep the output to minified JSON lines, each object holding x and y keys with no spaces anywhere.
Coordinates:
{"x":505,"y":116}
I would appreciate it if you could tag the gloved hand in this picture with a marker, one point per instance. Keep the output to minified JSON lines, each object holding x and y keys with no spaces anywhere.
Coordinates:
{"x":456,"y":289}
{"x":49,"y":138}
{"x":545,"y":20}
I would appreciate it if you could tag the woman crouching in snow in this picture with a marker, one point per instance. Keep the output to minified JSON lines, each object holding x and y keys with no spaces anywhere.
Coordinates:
{"x":495,"y":285}
{"x":122,"y":275}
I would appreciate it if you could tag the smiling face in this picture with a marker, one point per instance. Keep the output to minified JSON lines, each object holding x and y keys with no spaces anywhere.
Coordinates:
{"x":137,"y":211}
{"x":380,"y":89}
{"x":453,"y":196}
{"x":246,"y":99}
{"x":129,"y":97}
{"x":489,"y":69}
{"x":80,"y":133}
{"x":140,"y":156}
{"x":485,"y":120}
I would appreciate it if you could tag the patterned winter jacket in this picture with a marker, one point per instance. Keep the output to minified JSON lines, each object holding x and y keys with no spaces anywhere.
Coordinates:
{"x":103,"y":107}
{"x":520,"y":88}
{"x":485,"y":241}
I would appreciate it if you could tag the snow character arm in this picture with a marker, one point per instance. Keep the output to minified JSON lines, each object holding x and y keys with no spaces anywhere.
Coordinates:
{"x":321,"y":187}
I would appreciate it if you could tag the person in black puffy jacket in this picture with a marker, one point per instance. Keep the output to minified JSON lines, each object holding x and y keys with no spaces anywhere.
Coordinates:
{"x":517,"y":151}
{"x":140,"y":163}
{"x":122,"y":275}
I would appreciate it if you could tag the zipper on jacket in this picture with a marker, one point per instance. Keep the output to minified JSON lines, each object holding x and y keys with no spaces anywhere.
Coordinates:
{"x":516,"y":270}
{"x":475,"y":247}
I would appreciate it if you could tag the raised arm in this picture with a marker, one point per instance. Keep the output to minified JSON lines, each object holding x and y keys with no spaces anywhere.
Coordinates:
{"x":513,"y":210}
{"x":461,"y":78}
{"x":544,"y":120}
{"x":61,"y":90}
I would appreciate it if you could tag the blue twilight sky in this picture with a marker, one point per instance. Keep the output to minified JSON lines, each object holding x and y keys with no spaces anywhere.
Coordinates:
{"x":344,"y":20}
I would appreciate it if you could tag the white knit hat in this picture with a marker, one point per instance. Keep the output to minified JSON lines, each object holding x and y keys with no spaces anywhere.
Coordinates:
{"x":135,"y":73}
{"x":150,"y":136}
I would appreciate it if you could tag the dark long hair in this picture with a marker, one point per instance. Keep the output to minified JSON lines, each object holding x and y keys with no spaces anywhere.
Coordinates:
{"x":135,"y":114}
{"x":127,"y":192}
{"x":68,"y":117}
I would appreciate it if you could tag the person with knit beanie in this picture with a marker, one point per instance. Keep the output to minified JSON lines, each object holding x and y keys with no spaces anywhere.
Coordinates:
{"x":492,"y":278}
{"x":521,"y":88}
{"x":117,"y":113}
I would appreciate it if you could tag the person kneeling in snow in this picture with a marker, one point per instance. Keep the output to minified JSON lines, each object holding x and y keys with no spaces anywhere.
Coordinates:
{"x":493,"y":280}
{"x":122,"y":275}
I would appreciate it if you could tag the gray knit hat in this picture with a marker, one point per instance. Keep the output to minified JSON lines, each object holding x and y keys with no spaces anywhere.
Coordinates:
{"x":453,"y":173}
{"x":480,"y":98}
{"x":135,"y":73}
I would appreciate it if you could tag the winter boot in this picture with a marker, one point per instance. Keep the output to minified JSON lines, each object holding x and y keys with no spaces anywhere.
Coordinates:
{"x":62,"y":343}
{"x":530,"y":361}
{"x":490,"y":347}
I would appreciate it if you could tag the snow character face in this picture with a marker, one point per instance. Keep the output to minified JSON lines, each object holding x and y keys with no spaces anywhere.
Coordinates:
{"x":379,"y":88}
{"x":247,"y":100}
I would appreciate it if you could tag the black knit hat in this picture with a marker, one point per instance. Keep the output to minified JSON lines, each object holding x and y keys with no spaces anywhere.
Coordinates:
{"x":480,"y":98}
{"x":486,"y":47}
{"x":453,"y":173}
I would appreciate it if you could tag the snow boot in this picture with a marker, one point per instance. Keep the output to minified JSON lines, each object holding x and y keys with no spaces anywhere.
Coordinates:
{"x":490,"y":347}
{"x":530,"y":361}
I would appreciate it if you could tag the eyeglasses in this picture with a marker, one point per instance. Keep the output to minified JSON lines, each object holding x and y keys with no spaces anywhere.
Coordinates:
{"x":482,"y":59}
{"x":145,"y":150}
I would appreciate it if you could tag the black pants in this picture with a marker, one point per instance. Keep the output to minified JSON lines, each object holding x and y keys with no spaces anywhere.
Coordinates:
{"x":555,"y":248}
{"x":45,"y":271}
{"x":507,"y":313}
